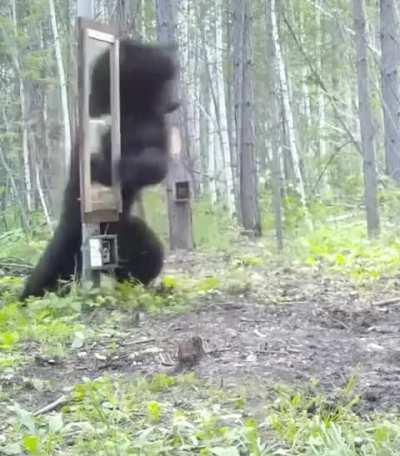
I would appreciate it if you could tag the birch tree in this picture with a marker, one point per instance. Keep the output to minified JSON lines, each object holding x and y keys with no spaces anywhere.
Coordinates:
{"x":365,"y":116}
{"x":220,"y":163}
{"x":389,"y":31}
{"x":236,"y":98}
{"x":63,"y":88}
{"x":220,"y":107}
{"x":291,"y":133}
{"x":250,"y":215}
{"x":321,"y":152}
{"x":22,"y":102}
{"x":275,"y":102}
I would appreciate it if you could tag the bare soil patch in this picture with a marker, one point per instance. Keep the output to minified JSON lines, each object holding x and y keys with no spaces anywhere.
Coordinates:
{"x":293,"y":326}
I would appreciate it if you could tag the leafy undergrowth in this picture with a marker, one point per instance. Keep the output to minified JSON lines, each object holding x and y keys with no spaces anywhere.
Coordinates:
{"x":344,"y":249}
{"x":56,"y":324}
{"x":181,"y":415}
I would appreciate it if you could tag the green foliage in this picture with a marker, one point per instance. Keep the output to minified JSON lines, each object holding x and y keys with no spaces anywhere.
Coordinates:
{"x":115,"y":416}
{"x":213,"y":228}
{"x":36,"y":436}
{"x":313,"y":425}
{"x":23,"y":247}
{"x":339,"y":239}
{"x":344,"y":249}
{"x":156,"y":211}
{"x":161,"y":382}
{"x":300,"y":416}
{"x":120,"y":417}
{"x":249,"y":261}
{"x":389,"y":201}
{"x":154,"y":412}
{"x":57,"y":323}
{"x":39,"y":322}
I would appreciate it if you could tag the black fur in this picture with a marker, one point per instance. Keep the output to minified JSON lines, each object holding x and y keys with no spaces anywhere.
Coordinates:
{"x":146,"y":73}
{"x":140,"y":251}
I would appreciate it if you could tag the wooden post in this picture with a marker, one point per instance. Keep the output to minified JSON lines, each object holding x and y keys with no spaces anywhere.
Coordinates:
{"x":179,"y":212}
{"x":85,"y":8}
{"x":179,"y":196}
{"x":99,"y":204}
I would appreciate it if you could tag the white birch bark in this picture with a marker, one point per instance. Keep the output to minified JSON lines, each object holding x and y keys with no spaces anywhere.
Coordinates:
{"x":221,"y":106}
{"x":276,"y":166}
{"x":42,"y":198}
{"x":25,"y":148}
{"x":288,"y":110}
{"x":212,"y":185}
{"x":306,"y":105}
{"x":63,"y":88}
{"x":321,"y":96}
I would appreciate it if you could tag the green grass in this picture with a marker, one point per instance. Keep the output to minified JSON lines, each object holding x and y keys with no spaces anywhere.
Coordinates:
{"x":57,"y":324}
{"x":181,"y":415}
{"x":184,"y":416}
{"x":340,"y":246}
{"x":212,"y":227}
{"x":344,"y":249}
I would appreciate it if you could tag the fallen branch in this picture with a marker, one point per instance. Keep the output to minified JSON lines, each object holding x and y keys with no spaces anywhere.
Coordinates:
{"x":251,"y":320}
{"x":140,"y":341}
{"x":387,"y":301}
{"x":53,"y":405}
{"x":16,"y":265}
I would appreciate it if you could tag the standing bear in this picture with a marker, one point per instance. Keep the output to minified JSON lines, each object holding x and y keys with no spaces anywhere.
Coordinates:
{"x":146,"y":76}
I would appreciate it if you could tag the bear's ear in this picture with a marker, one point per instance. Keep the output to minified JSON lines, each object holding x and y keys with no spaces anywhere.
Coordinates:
{"x":170,"y":48}
{"x":172,"y":106}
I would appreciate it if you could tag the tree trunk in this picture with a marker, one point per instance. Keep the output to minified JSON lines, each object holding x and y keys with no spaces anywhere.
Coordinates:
{"x":365,"y":115}
{"x":321,"y":151}
{"x":204,"y":99}
{"x":63,"y":88}
{"x":42,"y":199}
{"x":220,"y":108}
{"x":230,"y":111}
{"x":25,"y":149}
{"x":236,"y":93}
{"x":276,"y":168}
{"x":390,"y":36}
{"x":250,"y":214}
{"x":211,"y":169}
{"x":179,"y":215}
{"x":291,"y":134}
{"x":24,"y":219}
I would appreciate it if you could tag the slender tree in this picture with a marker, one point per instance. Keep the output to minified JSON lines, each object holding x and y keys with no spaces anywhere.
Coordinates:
{"x":365,"y":116}
{"x":236,"y":93}
{"x":63,"y":88}
{"x":248,"y":165}
{"x":290,"y":127}
{"x":179,"y":215}
{"x":221,"y":108}
{"x":22,"y":101}
{"x":389,"y":32}
{"x":275,"y":102}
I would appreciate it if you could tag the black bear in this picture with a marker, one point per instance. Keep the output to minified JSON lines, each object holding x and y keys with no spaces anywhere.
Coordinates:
{"x":146,"y":75}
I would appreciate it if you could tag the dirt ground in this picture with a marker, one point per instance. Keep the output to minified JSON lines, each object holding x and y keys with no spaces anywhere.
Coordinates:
{"x":293,"y":325}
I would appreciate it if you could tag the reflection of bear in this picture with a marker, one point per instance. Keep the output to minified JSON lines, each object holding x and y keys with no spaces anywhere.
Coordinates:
{"x":146,"y":74}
